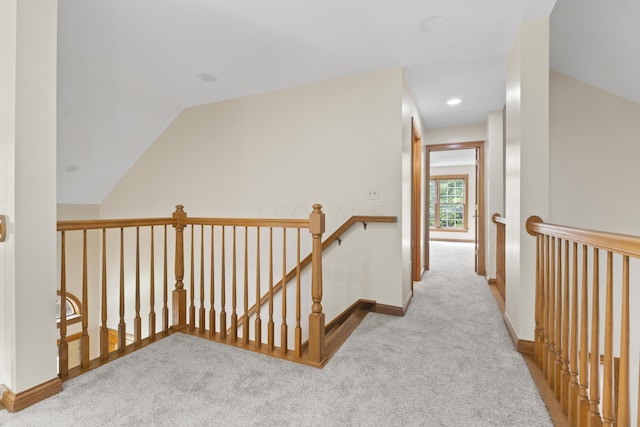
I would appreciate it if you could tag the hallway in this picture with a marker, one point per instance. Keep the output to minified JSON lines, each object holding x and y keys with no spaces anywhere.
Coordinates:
{"x":448,"y":362}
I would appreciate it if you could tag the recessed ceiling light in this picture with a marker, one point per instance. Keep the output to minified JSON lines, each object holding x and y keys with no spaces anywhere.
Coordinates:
{"x":209,"y":78}
{"x":433,"y":24}
{"x":72,"y":168}
{"x":454,"y":101}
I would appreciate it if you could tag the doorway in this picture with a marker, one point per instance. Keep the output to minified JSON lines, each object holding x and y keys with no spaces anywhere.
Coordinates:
{"x":474,"y":215}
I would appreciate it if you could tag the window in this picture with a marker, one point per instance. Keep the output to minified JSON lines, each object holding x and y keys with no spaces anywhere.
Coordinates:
{"x":72,"y":308}
{"x":448,"y":203}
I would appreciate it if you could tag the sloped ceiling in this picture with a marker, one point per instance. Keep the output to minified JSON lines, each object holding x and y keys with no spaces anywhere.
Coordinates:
{"x":128,"y":67}
{"x":598,"y":42}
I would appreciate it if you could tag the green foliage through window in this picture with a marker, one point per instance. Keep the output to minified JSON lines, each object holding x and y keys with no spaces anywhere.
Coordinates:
{"x":447,"y":202}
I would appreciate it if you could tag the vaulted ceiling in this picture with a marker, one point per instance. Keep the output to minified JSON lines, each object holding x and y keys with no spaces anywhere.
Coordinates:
{"x":126,"y":68}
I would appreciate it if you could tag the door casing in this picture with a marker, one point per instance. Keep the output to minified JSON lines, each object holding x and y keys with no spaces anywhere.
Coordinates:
{"x":480,"y":220}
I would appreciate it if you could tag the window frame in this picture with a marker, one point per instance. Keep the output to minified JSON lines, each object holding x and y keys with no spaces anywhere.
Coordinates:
{"x":436,"y":227}
{"x":76,"y":316}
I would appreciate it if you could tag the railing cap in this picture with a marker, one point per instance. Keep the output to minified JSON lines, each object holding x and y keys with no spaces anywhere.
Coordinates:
{"x":533,"y":219}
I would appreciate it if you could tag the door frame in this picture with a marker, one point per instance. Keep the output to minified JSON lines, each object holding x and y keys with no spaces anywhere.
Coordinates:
{"x":416,"y":205}
{"x":480,"y":214}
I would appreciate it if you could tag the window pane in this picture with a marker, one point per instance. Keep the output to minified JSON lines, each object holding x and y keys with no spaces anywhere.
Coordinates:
{"x":432,"y":191}
{"x":452,"y":215}
{"x":450,"y":195}
{"x":70,"y":309}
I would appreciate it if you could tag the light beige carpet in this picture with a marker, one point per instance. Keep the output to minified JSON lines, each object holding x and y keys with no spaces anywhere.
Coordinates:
{"x":448,"y":362}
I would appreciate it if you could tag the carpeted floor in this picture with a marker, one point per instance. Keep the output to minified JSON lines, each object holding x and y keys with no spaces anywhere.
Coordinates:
{"x":448,"y":362}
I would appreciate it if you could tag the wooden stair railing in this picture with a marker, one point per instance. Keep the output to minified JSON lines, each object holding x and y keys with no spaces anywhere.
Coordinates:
{"x":126,"y":280}
{"x":568,"y":350}
{"x":235,"y":286}
{"x":501,"y":223}
{"x":68,"y":235}
{"x":335,"y":236}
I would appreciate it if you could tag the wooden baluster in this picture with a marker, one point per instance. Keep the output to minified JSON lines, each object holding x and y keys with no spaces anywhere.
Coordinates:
{"x":223,"y":290}
{"x":563,"y":373}
{"x":500,"y":261}
{"x":203,"y":311}
{"x":84,"y":339}
{"x":624,"y":417}
{"x":63,"y":347}
{"x":573,"y":351}
{"x":545,"y":352}
{"x":179,"y":295}
{"x":137,"y":321}
{"x":192,"y":285}
{"x":104,"y":329}
{"x":542,"y":303}
{"x":316,"y":317}
{"x":594,"y":361}
{"x":258,"y":322}
{"x":245,"y":321}
{"x":564,"y":376}
{"x":212,"y":292}
{"x":165,"y":286}
{"x":234,"y":314}
{"x":607,"y":386}
{"x":551,"y":357}
{"x":298,"y":332}
{"x":284,"y":331}
{"x":557,"y":375}
{"x":122,"y":326}
{"x":152,"y":289}
{"x":270,"y":325}
{"x":583,"y":399}
{"x":537,"y":299}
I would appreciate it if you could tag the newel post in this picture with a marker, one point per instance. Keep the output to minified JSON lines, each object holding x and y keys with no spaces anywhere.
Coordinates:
{"x":316,"y":318}
{"x":179,"y":295}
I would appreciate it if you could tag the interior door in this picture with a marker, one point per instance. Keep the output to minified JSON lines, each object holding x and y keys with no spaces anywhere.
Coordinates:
{"x":475,"y":213}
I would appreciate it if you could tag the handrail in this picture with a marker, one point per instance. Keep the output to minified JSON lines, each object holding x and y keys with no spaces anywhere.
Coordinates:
{"x":624,"y":244}
{"x":3,"y":228}
{"x":98,"y":224}
{"x":498,"y":219}
{"x":328,"y":241}
{"x":249,"y":222}
{"x":351,"y":222}
{"x":500,"y":281}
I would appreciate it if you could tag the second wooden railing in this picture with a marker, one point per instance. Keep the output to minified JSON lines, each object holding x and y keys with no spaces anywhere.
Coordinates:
{"x":586,"y":357}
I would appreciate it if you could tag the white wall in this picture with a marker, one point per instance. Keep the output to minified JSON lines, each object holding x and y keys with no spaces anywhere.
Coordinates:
{"x":451,"y":135}
{"x":28,"y":31}
{"x":595,"y":147}
{"x":526,"y":166}
{"x":274,"y":155}
{"x":494,"y":185}
{"x":470,"y":171}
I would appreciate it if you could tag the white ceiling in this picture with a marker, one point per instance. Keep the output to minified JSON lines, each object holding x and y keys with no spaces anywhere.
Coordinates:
{"x":127,"y":67}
